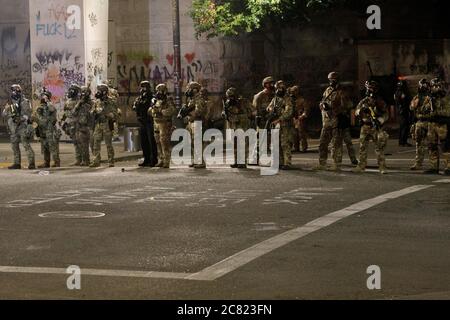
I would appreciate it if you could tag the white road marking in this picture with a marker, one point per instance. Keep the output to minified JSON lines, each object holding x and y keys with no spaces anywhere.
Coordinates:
{"x":442,"y":181}
{"x":248,"y":255}
{"x":98,"y":272}
{"x":239,"y":259}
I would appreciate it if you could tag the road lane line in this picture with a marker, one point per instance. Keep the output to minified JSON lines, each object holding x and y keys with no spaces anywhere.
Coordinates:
{"x":442,"y":181}
{"x":248,"y":255}
{"x":98,"y":272}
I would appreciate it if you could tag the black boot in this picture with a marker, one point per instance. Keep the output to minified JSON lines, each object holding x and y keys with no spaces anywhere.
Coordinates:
{"x":431,"y":171}
{"x":32,"y":166}
{"x":15,"y":167}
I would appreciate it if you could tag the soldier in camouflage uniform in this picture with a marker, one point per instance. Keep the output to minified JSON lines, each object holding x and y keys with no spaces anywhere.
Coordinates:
{"x":283,"y":110}
{"x":420,"y":107}
{"x":84,"y":122}
{"x":237,"y":112}
{"x":373,"y":113}
{"x":439,"y":104}
{"x":162,"y":110}
{"x":301,"y":114}
{"x":46,"y":118}
{"x":198,"y":110}
{"x":18,"y":117}
{"x":260,"y":103}
{"x":333,"y":104}
{"x":68,"y":121}
{"x":103,"y":111}
{"x":114,"y":96}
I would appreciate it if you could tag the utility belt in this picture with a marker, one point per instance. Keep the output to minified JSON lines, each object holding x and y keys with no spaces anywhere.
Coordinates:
{"x":162,"y":120}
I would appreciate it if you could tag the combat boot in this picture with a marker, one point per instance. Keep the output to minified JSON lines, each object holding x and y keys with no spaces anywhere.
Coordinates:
{"x":336,"y":168}
{"x":111,"y":165}
{"x":159,"y":165}
{"x":56,"y":164}
{"x":383,"y":170}
{"x":234,"y":166}
{"x":242,"y":166}
{"x":200,"y":166}
{"x":416,"y":167}
{"x":76,"y":164}
{"x":94,"y":165}
{"x":15,"y":167}
{"x":45,"y":165}
{"x":285,"y":167}
{"x":359,"y":169}
{"x":355,"y":162}
{"x":31,"y":166}
{"x":447,"y":172}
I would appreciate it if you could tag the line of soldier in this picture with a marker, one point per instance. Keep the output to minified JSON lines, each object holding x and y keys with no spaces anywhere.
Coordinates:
{"x":276,"y":106}
{"x":86,"y":121}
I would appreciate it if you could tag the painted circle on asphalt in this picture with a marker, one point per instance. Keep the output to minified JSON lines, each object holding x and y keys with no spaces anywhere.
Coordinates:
{"x":72,"y":215}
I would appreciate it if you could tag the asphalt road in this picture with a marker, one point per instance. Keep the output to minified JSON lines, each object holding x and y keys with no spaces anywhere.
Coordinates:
{"x":225,"y":234}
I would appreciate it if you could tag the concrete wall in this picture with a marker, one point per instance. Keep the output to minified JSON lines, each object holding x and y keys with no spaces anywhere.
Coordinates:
{"x":14,"y":48}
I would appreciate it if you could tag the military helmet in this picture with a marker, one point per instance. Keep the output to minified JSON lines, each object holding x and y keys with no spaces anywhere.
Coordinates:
{"x":103,"y":88}
{"x":145,"y":84}
{"x":194,"y":86}
{"x":75,"y":87}
{"x":372,"y":86}
{"x":45,"y":92}
{"x":231,"y":92}
{"x":333,"y":76}
{"x":436,"y":82}
{"x":162,"y":88}
{"x":268,"y":80}
{"x":280,"y":85}
{"x":16,"y":87}
{"x":294,"y":90}
{"x":86,"y":91}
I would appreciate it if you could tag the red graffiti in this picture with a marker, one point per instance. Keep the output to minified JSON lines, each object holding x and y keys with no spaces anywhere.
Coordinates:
{"x":169,"y":58}
{"x":190,"y":57}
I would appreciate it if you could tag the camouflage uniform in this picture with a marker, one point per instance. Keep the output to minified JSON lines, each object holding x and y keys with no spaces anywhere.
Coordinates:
{"x":260,"y":103}
{"x":162,"y":112}
{"x":337,"y":102}
{"x":301,"y":114}
{"x":18,"y":117}
{"x":68,"y":120}
{"x":46,"y":117}
{"x":84,"y":124}
{"x":285,"y":119}
{"x":104,"y":112}
{"x":197,"y":104}
{"x":437,"y":131}
{"x":370,"y":132}
{"x":114,"y":96}
{"x":420,"y":107}
{"x":238,"y":113}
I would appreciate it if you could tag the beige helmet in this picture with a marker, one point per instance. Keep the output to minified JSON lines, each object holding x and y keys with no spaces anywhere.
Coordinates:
{"x":294,"y":91}
{"x":231,"y":92}
{"x":333,"y":76}
{"x":194,"y":86}
{"x":268,"y":80}
{"x":280,"y":85}
{"x":162,"y":88}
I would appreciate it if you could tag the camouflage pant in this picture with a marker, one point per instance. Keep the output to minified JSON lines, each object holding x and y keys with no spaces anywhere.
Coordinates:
{"x":380,"y":139}
{"x":102,"y":132}
{"x":347,"y":138}
{"x":163,"y":132}
{"x":437,"y":133}
{"x":300,"y":137}
{"x":330,"y":134}
{"x":83,"y":138}
{"x":420,"y":134}
{"x":286,"y":145}
{"x":50,"y":147}
{"x":24,"y":136}
{"x":72,"y":133}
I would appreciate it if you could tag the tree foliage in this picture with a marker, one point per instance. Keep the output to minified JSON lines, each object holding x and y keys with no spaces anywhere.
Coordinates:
{"x":232,"y":17}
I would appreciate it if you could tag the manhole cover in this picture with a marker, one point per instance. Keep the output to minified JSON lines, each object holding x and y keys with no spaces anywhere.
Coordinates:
{"x":72,"y":215}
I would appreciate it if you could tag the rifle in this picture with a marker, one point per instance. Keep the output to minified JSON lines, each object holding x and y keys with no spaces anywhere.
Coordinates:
{"x":226,"y":109}
{"x":185,"y":110}
{"x":15,"y":112}
{"x":373,"y":119}
{"x":274,"y":114}
{"x":325,"y":106}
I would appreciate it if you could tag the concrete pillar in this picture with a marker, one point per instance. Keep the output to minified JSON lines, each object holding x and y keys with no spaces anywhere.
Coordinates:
{"x":69,"y":44}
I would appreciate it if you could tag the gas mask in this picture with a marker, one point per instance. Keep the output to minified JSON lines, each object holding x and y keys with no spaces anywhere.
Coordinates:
{"x":281,"y":92}
{"x":16,"y":95}
{"x":160,"y":96}
{"x":189,"y":93}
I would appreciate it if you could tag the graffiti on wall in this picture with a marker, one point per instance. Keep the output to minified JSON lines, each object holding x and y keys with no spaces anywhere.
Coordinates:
{"x":134,"y":67}
{"x":57,"y":55}
{"x":14,"y":59}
